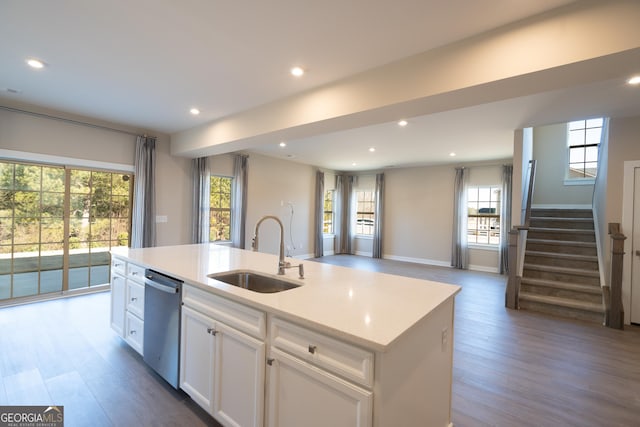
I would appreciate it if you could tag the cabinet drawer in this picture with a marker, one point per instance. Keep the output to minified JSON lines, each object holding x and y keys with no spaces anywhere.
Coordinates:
{"x":135,"y":272}
{"x":134,"y":332}
{"x":135,"y":298}
{"x":241,"y":317}
{"x":118,"y":266}
{"x":338,"y":357}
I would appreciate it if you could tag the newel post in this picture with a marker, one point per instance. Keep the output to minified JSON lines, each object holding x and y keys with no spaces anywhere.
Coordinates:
{"x":513,"y":280}
{"x":615,"y":317}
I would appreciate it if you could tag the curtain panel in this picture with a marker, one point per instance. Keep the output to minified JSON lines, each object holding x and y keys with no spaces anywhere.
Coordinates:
{"x":143,"y":224}
{"x":201,"y":176}
{"x":239,"y":201}
{"x":379,"y":216}
{"x":343,"y":214}
{"x":318,"y":250}
{"x":459,"y":252}
{"x":505,"y":218}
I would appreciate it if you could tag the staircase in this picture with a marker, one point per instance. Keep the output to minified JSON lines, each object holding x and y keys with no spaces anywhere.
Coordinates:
{"x":560,"y":273}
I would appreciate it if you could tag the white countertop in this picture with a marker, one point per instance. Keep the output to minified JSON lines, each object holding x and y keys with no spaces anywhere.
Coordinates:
{"x":367,"y":308}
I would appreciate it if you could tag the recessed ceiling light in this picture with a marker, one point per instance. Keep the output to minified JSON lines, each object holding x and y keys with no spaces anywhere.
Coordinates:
{"x":452,"y":154}
{"x":372,"y":149}
{"x":297,"y":71}
{"x":635,"y":80}
{"x":283,"y":144}
{"x":194,"y":111}
{"x":353,"y":164}
{"x":35,"y":63}
{"x":403,"y":123}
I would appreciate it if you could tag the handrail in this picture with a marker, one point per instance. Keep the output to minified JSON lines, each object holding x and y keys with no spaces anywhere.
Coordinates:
{"x":517,"y":238}
{"x":614,"y":311}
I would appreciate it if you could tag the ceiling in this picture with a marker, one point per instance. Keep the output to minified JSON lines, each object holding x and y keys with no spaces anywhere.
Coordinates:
{"x":144,"y":64}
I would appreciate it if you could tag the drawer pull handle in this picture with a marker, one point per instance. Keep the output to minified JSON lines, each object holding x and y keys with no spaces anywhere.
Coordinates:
{"x":270,"y":361}
{"x":312,"y":349}
{"x":133,"y":332}
{"x":212,"y":331}
{"x":134,"y":273}
{"x":134,"y":299}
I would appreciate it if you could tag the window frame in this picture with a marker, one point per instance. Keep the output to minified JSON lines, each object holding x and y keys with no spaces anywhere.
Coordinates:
{"x":489,"y":216}
{"x":217,"y":209}
{"x":586,"y":126}
{"x":331,"y":211}
{"x":358,"y":213}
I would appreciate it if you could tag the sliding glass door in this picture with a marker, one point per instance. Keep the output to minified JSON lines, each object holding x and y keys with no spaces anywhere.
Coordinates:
{"x":57,"y":226}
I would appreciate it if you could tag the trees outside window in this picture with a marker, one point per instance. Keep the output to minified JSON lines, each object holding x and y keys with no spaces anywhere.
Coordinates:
{"x":220,"y":209}
{"x":365,"y":220}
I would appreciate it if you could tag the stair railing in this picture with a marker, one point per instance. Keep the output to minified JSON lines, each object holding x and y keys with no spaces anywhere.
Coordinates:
{"x":517,"y":241}
{"x":614,"y":311}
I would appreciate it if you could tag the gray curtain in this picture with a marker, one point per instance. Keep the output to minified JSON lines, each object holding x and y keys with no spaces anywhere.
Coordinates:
{"x":239,"y":201}
{"x":143,"y":220}
{"x":505,"y":218}
{"x":346,"y":238}
{"x":344,"y":184}
{"x":201,"y":199}
{"x":379,"y":216}
{"x":319,"y":216}
{"x":459,"y":253}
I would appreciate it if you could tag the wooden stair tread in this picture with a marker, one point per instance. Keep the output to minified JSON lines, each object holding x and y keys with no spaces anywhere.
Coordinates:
{"x":563,"y":302}
{"x":562,"y":242}
{"x":561,"y":218}
{"x":573,"y":257}
{"x":562,"y":230}
{"x":591,"y":289}
{"x":565,"y":270}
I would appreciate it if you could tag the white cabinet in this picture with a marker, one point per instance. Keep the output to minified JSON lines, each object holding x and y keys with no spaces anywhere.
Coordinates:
{"x":312,"y":380}
{"x":222,"y":368}
{"x":118,"y":304}
{"x":127,"y":302}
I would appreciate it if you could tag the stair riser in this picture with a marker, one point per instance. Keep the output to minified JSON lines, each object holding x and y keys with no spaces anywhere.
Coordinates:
{"x":562,"y":249}
{"x":561,"y":262}
{"x":588,"y":316}
{"x":563,"y":213}
{"x":561,"y":277}
{"x":563,"y":293}
{"x":560,"y":235}
{"x":551,"y":223}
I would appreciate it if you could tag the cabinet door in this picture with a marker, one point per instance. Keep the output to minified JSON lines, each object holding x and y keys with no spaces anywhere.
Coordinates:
{"x":301,"y":394}
{"x":118,"y":303}
{"x":196,"y":357}
{"x":238,"y":378}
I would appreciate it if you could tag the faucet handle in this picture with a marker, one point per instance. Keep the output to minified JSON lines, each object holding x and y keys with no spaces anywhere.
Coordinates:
{"x":301,"y":271}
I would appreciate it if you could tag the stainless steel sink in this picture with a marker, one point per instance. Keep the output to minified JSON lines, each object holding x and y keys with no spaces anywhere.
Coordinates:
{"x":254,"y":281}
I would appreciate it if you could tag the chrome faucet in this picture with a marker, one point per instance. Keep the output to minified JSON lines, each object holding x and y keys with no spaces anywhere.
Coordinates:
{"x":282,"y":265}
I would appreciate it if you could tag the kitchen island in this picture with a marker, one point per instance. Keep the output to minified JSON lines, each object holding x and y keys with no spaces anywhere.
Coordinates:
{"x":346,"y":347}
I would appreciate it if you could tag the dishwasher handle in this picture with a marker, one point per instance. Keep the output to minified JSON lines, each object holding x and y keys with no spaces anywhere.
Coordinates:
{"x":163,"y":288}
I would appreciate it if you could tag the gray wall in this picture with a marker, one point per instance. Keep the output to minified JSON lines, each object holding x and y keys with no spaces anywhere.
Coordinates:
{"x":550,"y":150}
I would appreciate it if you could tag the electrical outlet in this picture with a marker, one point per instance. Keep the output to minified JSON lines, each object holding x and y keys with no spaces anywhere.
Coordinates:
{"x":445,"y":339}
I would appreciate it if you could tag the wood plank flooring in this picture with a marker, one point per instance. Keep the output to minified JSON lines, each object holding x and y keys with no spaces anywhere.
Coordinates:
{"x":511,"y":368}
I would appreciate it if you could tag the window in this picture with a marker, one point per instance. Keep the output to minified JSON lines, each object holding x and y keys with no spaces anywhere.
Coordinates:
{"x":483,"y":215}
{"x":327,"y":221}
{"x":57,"y":226}
{"x":220,"y":209}
{"x":583,"y":141}
{"x":365,"y":201}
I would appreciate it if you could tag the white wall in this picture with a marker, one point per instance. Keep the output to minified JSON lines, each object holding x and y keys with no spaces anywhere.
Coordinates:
{"x":550,"y":150}
{"x":276,"y":187}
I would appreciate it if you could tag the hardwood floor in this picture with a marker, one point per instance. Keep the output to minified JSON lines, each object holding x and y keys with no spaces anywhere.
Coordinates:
{"x":511,"y":368}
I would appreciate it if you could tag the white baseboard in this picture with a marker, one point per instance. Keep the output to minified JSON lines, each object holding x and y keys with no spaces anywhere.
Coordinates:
{"x":302,"y":256}
{"x":328,"y":253}
{"x":363,"y":253}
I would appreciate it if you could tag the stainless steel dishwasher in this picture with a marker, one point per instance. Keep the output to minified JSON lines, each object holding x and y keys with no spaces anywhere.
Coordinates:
{"x":162,"y":297}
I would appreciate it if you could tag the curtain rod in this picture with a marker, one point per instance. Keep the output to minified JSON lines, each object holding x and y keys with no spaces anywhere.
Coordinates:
{"x":71,"y":121}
